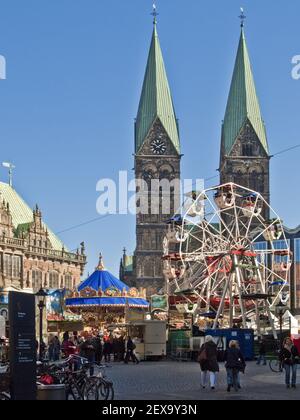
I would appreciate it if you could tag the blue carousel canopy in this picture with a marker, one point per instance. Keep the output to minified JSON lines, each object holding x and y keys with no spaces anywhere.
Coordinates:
{"x":102,"y":280}
{"x":102,"y":289}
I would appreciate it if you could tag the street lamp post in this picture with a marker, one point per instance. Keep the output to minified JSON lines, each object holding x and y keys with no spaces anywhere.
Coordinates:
{"x":41,"y":295}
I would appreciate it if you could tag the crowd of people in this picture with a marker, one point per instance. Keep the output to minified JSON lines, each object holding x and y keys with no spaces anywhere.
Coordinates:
{"x":94,"y":347}
{"x":235,"y":363}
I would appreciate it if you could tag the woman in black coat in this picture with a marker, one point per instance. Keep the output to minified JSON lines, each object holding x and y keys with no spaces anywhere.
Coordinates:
{"x":234,"y":363}
{"x":289,"y":357}
{"x":208,"y":362}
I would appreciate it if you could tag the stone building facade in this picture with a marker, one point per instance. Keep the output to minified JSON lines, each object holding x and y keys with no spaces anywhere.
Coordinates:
{"x":31,"y":256}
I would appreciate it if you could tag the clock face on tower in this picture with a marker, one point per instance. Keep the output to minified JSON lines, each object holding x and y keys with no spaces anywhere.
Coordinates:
{"x":158,"y":147}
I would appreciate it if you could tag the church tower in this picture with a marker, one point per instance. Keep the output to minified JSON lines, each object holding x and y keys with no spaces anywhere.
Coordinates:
{"x":245,"y":156}
{"x":157,"y":158}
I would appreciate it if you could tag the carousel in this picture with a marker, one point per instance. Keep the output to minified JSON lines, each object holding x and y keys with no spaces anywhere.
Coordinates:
{"x":103,"y":300}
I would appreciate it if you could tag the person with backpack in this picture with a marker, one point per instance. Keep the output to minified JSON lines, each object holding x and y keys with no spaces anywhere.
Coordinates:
{"x":208,"y":362}
{"x":289,"y":357}
{"x":234,"y":363}
{"x":130,"y":352}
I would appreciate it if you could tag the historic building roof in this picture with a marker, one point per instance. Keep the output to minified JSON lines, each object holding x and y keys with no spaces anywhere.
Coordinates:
{"x":243,"y":102}
{"x":22,"y":214}
{"x":156,"y":100}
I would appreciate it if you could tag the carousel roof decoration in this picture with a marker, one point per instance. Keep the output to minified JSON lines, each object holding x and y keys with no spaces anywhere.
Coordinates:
{"x":102,"y":289}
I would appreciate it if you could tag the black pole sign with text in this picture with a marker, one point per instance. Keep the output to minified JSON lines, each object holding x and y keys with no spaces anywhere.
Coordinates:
{"x":22,"y":346}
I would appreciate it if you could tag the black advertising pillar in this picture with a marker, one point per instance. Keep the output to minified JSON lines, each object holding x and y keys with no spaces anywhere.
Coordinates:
{"x":22,"y":346}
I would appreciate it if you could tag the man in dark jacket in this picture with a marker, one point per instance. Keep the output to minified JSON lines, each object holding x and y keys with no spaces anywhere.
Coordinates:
{"x":97,"y":343}
{"x":130,"y":352}
{"x":262,"y":353}
{"x":88,"y":350}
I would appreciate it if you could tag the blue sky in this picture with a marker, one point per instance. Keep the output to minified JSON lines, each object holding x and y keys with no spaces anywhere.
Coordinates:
{"x":74,"y":75}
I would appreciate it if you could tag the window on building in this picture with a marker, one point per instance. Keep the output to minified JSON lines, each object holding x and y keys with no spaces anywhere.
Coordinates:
{"x":54,"y":280}
{"x":247,"y":149}
{"x":148,"y":269}
{"x":68,"y":282}
{"x":16,"y":267}
{"x":261,"y":246}
{"x":7,"y":269}
{"x":37,"y":280}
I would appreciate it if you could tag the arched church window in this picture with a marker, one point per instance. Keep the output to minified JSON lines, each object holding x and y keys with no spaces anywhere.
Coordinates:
{"x":248,"y":149}
{"x":148,"y":269}
{"x":254,"y":181}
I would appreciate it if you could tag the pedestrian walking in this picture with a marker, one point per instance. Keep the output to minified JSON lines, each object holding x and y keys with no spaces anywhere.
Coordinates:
{"x":107,"y":349}
{"x":208,"y":359}
{"x":88,"y":351}
{"x":290,"y":358}
{"x":262,"y":353}
{"x":130,"y":352}
{"x":97,"y":343}
{"x":54,"y":349}
{"x":122,"y":349}
{"x":234,"y":363}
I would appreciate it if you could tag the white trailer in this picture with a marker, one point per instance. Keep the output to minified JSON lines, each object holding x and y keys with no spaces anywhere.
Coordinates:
{"x":151,"y":341}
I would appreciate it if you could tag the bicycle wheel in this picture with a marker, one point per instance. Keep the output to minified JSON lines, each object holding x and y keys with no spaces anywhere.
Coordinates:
{"x":111,"y":392}
{"x":90,"y":390}
{"x":275,"y":366}
{"x":103,"y":390}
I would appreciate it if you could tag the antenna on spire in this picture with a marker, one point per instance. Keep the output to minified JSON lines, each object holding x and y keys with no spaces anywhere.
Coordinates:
{"x":243,"y":17}
{"x":154,"y":13}
{"x":10,"y":168}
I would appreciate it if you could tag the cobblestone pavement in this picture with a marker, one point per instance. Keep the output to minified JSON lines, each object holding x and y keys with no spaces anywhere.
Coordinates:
{"x":181,"y":381}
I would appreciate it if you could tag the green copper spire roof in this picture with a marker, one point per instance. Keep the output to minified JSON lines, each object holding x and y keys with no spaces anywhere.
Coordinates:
{"x":156,"y":100}
{"x":243,"y":102}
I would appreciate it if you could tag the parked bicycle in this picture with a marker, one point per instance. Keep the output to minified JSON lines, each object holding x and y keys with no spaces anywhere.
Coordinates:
{"x":74,"y":374}
{"x":275,"y":363}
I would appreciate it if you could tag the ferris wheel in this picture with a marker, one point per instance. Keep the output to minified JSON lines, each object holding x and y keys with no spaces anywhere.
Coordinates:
{"x":227,"y":247}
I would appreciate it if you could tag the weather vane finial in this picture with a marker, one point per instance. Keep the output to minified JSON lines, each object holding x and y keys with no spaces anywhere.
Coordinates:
{"x":154,"y":13}
{"x":243,"y":17}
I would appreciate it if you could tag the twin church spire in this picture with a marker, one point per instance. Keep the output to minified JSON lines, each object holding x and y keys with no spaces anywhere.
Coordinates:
{"x":156,"y":99}
{"x":243,"y":104}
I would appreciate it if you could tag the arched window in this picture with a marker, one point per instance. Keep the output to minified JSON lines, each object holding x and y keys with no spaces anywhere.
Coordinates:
{"x":37,"y":280}
{"x":53,"y":280}
{"x":255,"y":181}
{"x":247,"y":149}
{"x":148,"y":269}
